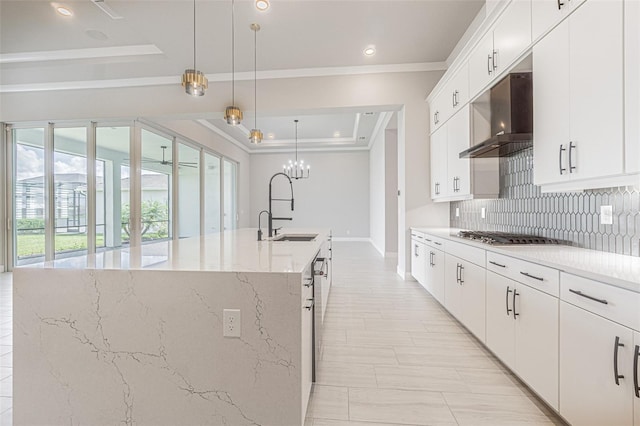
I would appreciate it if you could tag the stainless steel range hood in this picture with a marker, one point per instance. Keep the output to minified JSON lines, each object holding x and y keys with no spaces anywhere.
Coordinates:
{"x":511,"y":118}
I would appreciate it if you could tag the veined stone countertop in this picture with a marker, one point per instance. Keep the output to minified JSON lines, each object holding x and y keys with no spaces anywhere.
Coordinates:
{"x":231,"y":251}
{"x":615,"y":269}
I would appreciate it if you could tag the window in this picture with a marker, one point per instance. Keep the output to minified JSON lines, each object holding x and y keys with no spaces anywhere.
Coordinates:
{"x":212,"y":197}
{"x":230,"y":195}
{"x":156,"y":186}
{"x":188,"y":191}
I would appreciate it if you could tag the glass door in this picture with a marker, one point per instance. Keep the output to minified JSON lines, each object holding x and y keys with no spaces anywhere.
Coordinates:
{"x":188,"y":191}
{"x":156,"y":187}
{"x":212,"y":197}
{"x":230,"y":195}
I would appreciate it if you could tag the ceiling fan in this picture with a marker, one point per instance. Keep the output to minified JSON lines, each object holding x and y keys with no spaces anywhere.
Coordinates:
{"x":165,"y":162}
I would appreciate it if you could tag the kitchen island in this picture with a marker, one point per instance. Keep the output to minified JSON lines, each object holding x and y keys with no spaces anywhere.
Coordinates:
{"x":135,"y":336}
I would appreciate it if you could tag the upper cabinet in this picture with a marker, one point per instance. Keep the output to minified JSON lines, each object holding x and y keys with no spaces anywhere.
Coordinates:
{"x":578,"y":101}
{"x":545,"y":14}
{"x":497,"y":50}
{"x":453,"y":96}
{"x":632,"y":85}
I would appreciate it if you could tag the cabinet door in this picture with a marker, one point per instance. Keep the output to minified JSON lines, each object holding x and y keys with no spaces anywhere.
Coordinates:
{"x":537,"y":341}
{"x":452,"y":286}
{"x":436,"y":275}
{"x":589,"y":394}
{"x":512,"y":34}
{"x":596,"y":91}
{"x":632,"y":85}
{"x":473,"y":299}
{"x":636,"y":380}
{"x":481,"y":70}
{"x":547,"y":13}
{"x":551,"y":107}
{"x":500,"y":320}
{"x":306,"y":349}
{"x":439,"y":163}
{"x":418,"y":261}
{"x":458,"y":139}
{"x":459,"y":87}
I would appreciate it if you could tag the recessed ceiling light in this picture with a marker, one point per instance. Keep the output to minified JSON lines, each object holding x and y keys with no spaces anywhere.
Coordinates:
{"x":262,"y":4}
{"x":64,"y":11}
{"x":336,"y":134}
{"x":370,"y":51}
{"x":271,"y":136}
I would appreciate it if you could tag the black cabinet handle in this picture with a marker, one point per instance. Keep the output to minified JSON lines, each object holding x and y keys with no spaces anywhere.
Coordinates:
{"x":595,"y":299}
{"x":526,"y":274}
{"x":562,"y":169}
{"x":616,"y":376}
{"x":571,"y":166}
{"x":461,"y":274}
{"x":437,"y":243}
{"x":560,"y":4}
{"x":636,"y":386}
{"x":458,"y":273}
{"x":497,"y":264}
{"x":515,"y":293}
{"x":506,"y":301}
{"x":432,"y":258}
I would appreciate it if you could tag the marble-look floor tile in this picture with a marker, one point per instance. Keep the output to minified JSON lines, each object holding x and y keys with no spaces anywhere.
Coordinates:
{"x":346,"y":374}
{"x":360,"y":354}
{"x":334,"y":336}
{"x":329,"y":402}
{"x":378,"y":338}
{"x":393,"y":325}
{"x":447,"y":340}
{"x":478,"y":410}
{"x":436,"y":356}
{"x":421,"y":378}
{"x":325,"y":422}
{"x":489,"y":381}
{"x":399,"y":406}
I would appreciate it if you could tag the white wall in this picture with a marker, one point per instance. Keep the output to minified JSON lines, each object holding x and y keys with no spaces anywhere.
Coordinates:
{"x":405,"y":92}
{"x":335,"y":196}
{"x":377,"y":171}
{"x":391,"y":192}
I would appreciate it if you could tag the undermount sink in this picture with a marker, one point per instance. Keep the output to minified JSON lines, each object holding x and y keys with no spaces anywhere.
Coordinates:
{"x":296,"y":237}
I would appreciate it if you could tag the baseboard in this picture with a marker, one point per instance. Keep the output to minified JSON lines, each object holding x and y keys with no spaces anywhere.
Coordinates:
{"x":352,"y":239}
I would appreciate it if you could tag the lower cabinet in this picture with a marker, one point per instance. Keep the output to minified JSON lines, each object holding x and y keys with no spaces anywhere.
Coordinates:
{"x":596,"y":371}
{"x":522,"y":330}
{"x":418,"y":260}
{"x":636,"y":378}
{"x":435,"y":273}
{"x":464,"y":293}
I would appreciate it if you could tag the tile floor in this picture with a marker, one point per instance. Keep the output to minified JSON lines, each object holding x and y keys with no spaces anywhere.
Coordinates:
{"x":392,"y":355}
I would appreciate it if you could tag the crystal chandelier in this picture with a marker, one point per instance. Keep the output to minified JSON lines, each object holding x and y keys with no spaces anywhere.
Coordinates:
{"x":296,"y":169}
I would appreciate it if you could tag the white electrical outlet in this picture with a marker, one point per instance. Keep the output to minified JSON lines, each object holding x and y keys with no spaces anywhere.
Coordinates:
{"x":483,"y":213}
{"x":606,"y":215}
{"x":231,"y":323}
{"x":457,"y":212}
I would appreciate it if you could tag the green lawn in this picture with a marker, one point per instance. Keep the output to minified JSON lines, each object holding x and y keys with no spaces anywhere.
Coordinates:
{"x":33,"y":244}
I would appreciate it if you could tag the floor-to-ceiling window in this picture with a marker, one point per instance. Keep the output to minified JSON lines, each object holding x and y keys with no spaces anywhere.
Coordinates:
{"x":29,"y":196}
{"x":73,"y":193}
{"x":188,"y":191}
{"x":212,"y":193}
{"x":156,"y":186}
{"x":70,"y":191}
{"x":230,"y":189}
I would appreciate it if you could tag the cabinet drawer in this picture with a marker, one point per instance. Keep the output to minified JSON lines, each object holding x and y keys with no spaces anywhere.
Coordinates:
{"x":618,"y":305}
{"x":468,"y":253}
{"x":417,"y":235}
{"x":537,"y":276}
{"x":435,"y":242}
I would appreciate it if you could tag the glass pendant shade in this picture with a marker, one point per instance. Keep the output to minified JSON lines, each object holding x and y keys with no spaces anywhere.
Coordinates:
{"x":194,"y":82}
{"x":233,"y":115}
{"x":255,"y":136}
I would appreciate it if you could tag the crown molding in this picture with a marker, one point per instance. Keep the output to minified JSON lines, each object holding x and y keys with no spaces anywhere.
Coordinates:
{"x":224,"y":77}
{"x":74,"y":54}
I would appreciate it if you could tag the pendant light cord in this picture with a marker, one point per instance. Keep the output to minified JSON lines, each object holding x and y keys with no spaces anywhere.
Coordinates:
{"x":255,"y":76}
{"x":233,"y":55}
{"x":194,"y":35}
{"x":296,"y":142}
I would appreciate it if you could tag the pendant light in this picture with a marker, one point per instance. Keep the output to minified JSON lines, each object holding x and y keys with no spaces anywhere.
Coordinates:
{"x":233,"y":114}
{"x":194,"y":82}
{"x":256,"y":135}
{"x":295,"y":169}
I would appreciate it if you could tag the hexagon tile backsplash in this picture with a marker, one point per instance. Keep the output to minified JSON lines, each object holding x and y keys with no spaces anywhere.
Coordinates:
{"x":573,"y":217}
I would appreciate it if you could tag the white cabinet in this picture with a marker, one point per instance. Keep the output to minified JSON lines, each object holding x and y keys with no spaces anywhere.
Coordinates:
{"x":418,"y":258}
{"x":464,"y":293}
{"x":497,"y":50}
{"x":306,"y":339}
{"x":454,"y":178}
{"x":547,"y":13}
{"x":451,"y":98}
{"x":594,"y":353}
{"x":435,"y":273}
{"x":632,"y":85}
{"x":578,"y":101}
{"x":522,"y":330}
{"x":636,"y":378}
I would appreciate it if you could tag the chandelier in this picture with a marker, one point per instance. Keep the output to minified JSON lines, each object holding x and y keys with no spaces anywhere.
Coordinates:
{"x":296,"y":169}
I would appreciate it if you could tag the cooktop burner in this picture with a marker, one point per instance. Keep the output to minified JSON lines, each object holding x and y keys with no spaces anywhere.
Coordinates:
{"x":494,"y":237}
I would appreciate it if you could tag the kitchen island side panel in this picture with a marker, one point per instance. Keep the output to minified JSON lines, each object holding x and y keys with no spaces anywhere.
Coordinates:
{"x":146,"y":347}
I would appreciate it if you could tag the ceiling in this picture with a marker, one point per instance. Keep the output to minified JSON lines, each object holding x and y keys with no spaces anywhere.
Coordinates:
{"x":153,"y":43}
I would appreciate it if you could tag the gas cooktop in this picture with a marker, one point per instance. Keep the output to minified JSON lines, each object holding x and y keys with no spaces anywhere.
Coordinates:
{"x":494,"y":237}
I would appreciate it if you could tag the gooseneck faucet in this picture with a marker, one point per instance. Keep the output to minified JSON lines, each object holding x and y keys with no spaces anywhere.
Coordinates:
{"x":271,"y":218}
{"x":259,"y":225}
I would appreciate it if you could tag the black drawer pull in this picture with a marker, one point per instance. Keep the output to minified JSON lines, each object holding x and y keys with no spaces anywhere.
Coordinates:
{"x":437,"y":243}
{"x":507,"y":299}
{"x":616,"y":376}
{"x":579,"y":293}
{"x":515,"y":293}
{"x":531,"y":276}
{"x":497,"y":264}
{"x":636,"y":386}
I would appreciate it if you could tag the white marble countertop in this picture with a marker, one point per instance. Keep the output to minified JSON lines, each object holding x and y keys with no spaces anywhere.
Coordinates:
{"x":230,"y":251}
{"x":615,"y":269}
